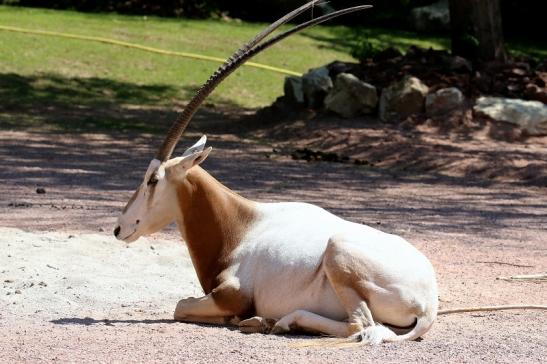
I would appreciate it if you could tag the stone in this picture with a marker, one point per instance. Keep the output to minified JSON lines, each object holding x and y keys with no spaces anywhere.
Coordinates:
{"x":351,"y":96}
{"x":534,"y":92}
{"x":443,"y":100}
{"x":402,"y":98}
{"x":337,"y":67}
{"x":530,"y":116}
{"x":387,"y":54}
{"x":460,"y":64}
{"x":431,"y":18}
{"x":292,"y":89}
{"x":316,"y":84}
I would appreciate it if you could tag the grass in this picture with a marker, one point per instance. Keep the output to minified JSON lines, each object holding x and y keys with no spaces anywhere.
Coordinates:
{"x":27,"y":55}
{"x":57,"y":80}
{"x":522,"y":47}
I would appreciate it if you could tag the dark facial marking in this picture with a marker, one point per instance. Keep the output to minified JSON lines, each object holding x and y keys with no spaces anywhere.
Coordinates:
{"x":135,"y":194}
{"x":153,"y":180}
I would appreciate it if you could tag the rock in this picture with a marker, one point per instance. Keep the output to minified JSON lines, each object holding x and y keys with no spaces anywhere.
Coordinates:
{"x":531,"y":116}
{"x":523,"y":65}
{"x":402,"y":98}
{"x":534,"y":92}
{"x":351,"y":96}
{"x":431,"y":18}
{"x":337,"y":67}
{"x":387,"y":54}
{"x":443,"y":100}
{"x":40,"y":190}
{"x":293,"y":89}
{"x":316,"y":84}
{"x":460,"y":64}
{"x":517,"y":72}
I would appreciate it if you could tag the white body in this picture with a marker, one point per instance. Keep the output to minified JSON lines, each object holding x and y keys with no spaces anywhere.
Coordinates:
{"x":279,"y":258}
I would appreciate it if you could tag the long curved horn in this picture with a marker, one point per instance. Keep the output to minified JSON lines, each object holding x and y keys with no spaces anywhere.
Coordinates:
{"x":180,"y":124}
{"x":270,"y":42}
{"x":232,"y":63}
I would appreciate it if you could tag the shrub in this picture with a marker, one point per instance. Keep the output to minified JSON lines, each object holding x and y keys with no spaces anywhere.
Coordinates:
{"x":364,"y":49}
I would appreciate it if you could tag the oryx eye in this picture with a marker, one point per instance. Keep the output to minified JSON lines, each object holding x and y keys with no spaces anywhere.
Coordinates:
{"x":153,"y":180}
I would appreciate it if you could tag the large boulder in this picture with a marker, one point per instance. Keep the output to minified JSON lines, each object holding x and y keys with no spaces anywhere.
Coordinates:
{"x":293,"y":89}
{"x":531,"y":116}
{"x":403,"y":98}
{"x":316,"y":84}
{"x":351,"y":96}
{"x":443,"y":100}
{"x":431,"y":18}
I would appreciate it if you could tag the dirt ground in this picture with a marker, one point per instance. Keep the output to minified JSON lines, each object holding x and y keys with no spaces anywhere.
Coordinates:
{"x":69,"y":292}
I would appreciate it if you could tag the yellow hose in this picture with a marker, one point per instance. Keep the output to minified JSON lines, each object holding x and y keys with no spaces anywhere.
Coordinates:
{"x":144,"y":48}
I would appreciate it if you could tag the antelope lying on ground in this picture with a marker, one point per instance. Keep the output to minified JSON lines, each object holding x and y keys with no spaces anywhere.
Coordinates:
{"x":293,"y":265}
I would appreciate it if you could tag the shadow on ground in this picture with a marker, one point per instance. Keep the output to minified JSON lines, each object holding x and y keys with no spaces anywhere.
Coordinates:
{"x":102,"y":170}
{"x":57,"y":103}
{"x":88,"y":142}
{"x":87,"y":321}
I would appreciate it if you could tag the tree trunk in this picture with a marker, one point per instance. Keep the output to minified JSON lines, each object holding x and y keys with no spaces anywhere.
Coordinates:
{"x":476,"y":29}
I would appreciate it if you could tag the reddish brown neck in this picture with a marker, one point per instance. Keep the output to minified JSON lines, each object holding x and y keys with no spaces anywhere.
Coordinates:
{"x":214,"y":220}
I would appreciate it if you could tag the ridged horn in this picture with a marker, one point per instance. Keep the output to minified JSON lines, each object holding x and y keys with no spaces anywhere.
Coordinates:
{"x":236,"y":60}
{"x":182,"y":121}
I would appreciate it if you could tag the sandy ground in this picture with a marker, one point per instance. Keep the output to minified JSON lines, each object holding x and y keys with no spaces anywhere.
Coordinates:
{"x":69,"y":292}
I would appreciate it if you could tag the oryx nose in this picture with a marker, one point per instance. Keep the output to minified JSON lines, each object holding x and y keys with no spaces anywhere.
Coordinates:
{"x":116,"y":231}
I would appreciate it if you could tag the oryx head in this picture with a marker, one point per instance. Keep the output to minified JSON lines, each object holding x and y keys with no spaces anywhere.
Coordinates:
{"x":153,"y":205}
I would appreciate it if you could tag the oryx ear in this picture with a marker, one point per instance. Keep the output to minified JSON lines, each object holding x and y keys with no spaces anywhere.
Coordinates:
{"x":197,"y":158}
{"x":187,"y":162}
{"x":198,"y":147}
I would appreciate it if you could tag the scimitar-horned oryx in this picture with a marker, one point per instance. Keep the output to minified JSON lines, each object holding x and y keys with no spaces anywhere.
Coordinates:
{"x":273,"y":267}
{"x":290,"y":264}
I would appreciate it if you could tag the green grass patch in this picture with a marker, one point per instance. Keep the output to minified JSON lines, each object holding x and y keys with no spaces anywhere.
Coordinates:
{"x":520,"y":47}
{"x":25,"y":54}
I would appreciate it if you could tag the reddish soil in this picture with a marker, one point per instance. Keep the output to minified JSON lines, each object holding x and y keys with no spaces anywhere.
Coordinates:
{"x":463,"y":201}
{"x":457,"y":145}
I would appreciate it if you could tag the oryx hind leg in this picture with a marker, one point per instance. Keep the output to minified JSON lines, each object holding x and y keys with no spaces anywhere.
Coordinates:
{"x":312,"y":323}
{"x":346,"y":274}
{"x":339,"y":275}
{"x":343,"y":274}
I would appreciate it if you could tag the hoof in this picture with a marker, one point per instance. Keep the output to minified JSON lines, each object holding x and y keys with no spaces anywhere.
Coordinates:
{"x":256,"y":325}
{"x":279,"y":329}
{"x":375,"y":335}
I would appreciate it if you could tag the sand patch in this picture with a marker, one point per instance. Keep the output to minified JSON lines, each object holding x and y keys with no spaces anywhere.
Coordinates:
{"x":63,"y":275}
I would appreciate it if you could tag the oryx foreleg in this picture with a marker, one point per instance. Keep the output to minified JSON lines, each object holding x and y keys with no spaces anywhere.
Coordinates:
{"x":223,"y":305}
